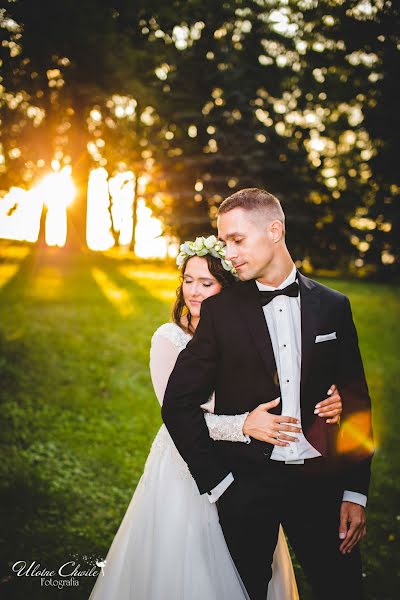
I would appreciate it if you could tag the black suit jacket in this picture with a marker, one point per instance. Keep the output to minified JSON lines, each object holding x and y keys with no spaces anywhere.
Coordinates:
{"x":231,"y":353}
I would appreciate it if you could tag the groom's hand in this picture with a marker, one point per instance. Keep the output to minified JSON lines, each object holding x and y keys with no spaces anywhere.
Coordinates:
{"x":261,"y":425}
{"x":352,"y":526}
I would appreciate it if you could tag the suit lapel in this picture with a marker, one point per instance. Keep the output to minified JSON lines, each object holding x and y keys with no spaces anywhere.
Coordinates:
{"x":252,"y":312}
{"x":310,"y":301}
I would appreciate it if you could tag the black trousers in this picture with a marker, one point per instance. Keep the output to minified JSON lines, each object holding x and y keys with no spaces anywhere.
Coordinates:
{"x":306,"y":500}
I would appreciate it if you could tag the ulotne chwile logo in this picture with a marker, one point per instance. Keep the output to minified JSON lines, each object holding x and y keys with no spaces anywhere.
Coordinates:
{"x":69,"y":572}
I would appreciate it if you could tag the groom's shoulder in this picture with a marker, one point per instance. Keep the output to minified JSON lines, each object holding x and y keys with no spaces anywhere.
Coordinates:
{"x":225,"y":296}
{"x":322,"y":289}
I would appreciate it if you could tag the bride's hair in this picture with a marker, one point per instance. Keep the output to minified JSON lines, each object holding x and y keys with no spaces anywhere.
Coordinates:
{"x":180,"y":309}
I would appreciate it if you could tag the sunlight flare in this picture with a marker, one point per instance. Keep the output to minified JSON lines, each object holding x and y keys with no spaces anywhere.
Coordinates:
{"x":164,"y":290}
{"x":47,"y":284}
{"x":355,"y":434}
{"x":57,"y":191}
{"x":7,"y":272}
{"x":110,"y":207}
{"x":116,"y":295}
{"x":122,"y":193}
{"x":150,"y":241}
{"x":20,"y":213}
{"x":98,"y":222}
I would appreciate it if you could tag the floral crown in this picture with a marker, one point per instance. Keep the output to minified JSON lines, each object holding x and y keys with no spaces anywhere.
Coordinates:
{"x":202,"y":246}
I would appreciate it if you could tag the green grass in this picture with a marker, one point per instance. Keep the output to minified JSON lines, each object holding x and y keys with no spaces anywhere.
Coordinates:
{"x":78,"y":414}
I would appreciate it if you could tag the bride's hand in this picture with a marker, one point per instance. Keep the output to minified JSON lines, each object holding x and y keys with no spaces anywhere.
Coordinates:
{"x":331,"y":407}
{"x":266,"y":427}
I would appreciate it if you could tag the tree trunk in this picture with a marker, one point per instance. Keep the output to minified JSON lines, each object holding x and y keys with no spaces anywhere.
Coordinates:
{"x":76,"y":212}
{"x":42,"y":228}
{"x":134,"y":213}
{"x":137,"y":175}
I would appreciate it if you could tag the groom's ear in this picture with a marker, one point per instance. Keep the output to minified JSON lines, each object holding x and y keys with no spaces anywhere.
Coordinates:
{"x":276,"y":229}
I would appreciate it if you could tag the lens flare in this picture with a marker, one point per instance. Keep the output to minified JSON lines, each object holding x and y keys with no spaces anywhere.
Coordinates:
{"x":355,"y":434}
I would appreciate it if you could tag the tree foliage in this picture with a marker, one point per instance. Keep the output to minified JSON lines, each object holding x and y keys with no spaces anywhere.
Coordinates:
{"x":205,"y":98}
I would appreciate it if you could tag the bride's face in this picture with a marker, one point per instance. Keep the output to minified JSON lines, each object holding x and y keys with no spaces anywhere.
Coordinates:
{"x":198,"y":284}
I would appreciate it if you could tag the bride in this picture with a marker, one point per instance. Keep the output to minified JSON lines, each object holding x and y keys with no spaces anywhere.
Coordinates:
{"x":170,"y":545}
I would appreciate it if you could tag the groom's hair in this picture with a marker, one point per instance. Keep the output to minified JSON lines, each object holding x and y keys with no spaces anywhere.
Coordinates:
{"x":254,"y":199}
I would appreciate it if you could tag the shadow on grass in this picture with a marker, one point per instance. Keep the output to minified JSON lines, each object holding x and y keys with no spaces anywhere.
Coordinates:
{"x":77,"y":413}
{"x":76,"y":410}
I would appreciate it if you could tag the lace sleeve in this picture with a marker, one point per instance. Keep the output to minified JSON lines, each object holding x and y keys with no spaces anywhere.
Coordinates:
{"x":227,"y":427}
{"x":163,"y":355}
{"x":166,"y":344}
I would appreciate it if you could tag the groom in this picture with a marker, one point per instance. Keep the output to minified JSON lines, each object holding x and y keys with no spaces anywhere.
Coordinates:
{"x":277,"y":334}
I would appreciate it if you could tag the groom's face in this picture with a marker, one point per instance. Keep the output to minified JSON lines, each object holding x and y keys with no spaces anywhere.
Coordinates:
{"x":249,"y":242}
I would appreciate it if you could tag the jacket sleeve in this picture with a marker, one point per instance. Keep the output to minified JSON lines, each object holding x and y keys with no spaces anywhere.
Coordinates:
{"x":190,"y":385}
{"x":355,"y":440}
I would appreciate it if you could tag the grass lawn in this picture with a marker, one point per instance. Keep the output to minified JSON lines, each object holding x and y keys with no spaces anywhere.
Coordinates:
{"x":78,"y":414}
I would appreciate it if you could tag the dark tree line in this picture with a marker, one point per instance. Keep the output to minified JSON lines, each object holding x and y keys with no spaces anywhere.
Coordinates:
{"x":204,"y":98}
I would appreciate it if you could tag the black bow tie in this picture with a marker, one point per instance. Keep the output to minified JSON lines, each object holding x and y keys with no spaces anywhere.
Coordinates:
{"x":291,"y":290}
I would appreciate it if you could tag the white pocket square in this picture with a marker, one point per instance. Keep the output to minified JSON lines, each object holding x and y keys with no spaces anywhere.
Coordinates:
{"x":326,"y":337}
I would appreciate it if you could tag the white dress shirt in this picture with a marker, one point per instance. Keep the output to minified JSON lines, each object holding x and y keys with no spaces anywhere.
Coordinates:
{"x":283,"y":317}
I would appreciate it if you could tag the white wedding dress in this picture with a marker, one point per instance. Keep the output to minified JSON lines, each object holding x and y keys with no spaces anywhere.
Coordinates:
{"x":170,"y":545}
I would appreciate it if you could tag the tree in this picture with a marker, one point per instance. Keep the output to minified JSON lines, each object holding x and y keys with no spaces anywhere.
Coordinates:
{"x":285,"y":100}
{"x":204,"y":98}
{"x":66,"y":76}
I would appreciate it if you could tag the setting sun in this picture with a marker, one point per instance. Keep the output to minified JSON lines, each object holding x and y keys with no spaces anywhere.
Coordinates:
{"x":20,"y":210}
{"x":57,"y":191}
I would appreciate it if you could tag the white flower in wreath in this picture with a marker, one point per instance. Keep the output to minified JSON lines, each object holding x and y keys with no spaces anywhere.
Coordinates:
{"x":210,"y":242}
{"x":198,"y":244}
{"x":203,"y":246}
{"x":228,"y":266}
{"x":180,"y":259}
{"x":187,"y":248}
{"x":214,"y":253}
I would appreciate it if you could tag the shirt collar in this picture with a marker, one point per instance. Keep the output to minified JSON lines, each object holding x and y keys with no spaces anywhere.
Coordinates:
{"x":290,"y":279}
